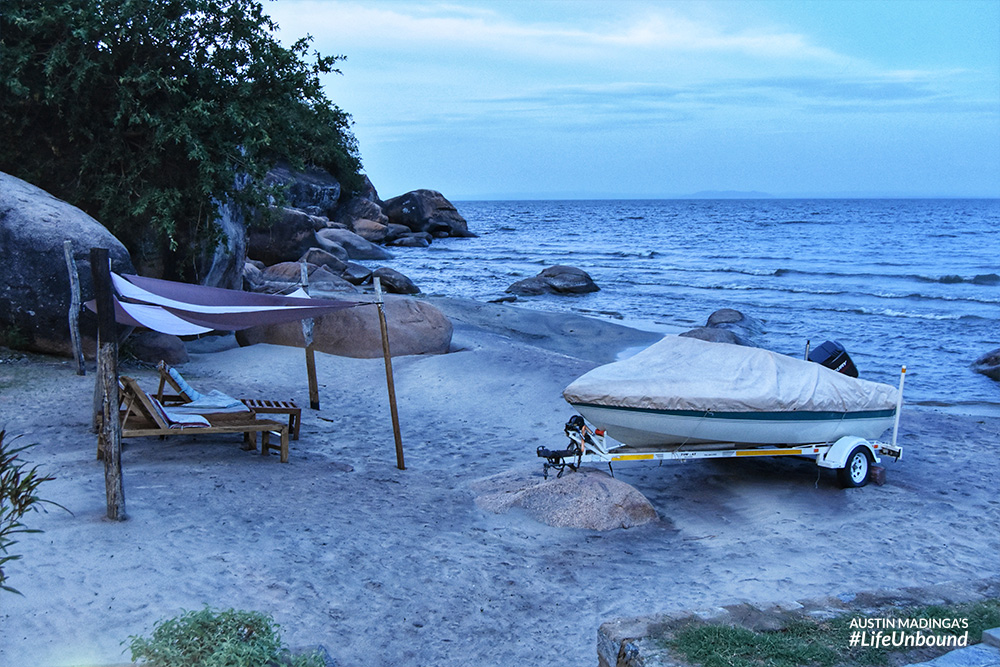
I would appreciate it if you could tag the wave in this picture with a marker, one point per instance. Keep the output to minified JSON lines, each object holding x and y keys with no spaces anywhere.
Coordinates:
{"x":890,"y":312}
{"x":915,"y":296}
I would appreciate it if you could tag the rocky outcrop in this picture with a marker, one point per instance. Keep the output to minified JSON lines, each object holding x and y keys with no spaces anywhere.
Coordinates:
{"x":225,"y":267}
{"x":285,"y":237}
{"x":355,"y":246}
{"x":426,"y":211}
{"x":589,"y":499}
{"x":370,"y":230}
{"x":559,"y":279}
{"x":394,"y":282}
{"x":360,"y":208}
{"x":988,"y":365}
{"x":320,"y":257}
{"x":317,"y":227}
{"x":314,"y":190}
{"x":729,"y":326}
{"x":415,"y":327}
{"x":34,"y":282}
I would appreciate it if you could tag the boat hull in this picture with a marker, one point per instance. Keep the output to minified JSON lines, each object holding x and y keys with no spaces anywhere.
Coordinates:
{"x":644,"y":427}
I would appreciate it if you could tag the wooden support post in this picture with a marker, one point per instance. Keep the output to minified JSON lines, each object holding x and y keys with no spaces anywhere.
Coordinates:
{"x":110,"y":437}
{"x":307,"y":335}
{"x":74,"y":308}
{"x":388,"y":375}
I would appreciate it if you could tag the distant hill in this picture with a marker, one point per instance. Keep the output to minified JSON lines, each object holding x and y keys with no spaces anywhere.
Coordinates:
{"x":729,"y":194}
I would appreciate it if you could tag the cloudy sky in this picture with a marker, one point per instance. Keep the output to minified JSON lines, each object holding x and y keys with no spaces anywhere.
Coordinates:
{"x":633,"y":99}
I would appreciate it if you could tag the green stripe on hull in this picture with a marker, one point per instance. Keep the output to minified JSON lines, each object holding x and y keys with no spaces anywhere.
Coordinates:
{"x":752,"y":416}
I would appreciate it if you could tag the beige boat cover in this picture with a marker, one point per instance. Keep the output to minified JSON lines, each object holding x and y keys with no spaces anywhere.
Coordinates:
{"x":680,"y":373}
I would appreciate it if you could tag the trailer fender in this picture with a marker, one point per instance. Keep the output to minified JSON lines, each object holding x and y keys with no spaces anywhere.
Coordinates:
{"x":836,"y":456}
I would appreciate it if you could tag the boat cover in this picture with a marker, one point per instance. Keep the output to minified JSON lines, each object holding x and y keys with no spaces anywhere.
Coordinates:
{"x":680,"y":373}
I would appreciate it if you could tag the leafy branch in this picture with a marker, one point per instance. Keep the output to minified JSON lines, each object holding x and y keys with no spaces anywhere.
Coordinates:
{"x":18,"y":486}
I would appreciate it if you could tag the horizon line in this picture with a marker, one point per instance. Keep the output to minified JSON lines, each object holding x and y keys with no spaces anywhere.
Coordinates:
{"x":708,"y":197}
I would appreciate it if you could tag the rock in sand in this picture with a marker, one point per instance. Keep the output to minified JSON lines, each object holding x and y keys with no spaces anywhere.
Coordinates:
{"x":34,"y":281}
{"x":589,"y":499}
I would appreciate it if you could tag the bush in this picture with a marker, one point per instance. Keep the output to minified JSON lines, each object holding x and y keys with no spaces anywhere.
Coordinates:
{"x":17,"y":498}
{"x":210,"y":638}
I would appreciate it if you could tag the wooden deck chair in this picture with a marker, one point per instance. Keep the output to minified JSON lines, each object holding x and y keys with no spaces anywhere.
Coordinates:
{"x":143,"y":416}
{"x":185,"y":393}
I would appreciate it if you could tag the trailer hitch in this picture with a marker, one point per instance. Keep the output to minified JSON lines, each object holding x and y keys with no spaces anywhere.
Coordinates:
{"x":560,"y":459}
{"x":557,"y":459}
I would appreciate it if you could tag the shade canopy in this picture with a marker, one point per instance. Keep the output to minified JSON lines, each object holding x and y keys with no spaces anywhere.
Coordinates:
{"x":182,"y":309}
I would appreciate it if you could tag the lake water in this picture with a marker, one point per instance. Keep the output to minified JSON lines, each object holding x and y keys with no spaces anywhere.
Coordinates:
{"x":912,"y":282}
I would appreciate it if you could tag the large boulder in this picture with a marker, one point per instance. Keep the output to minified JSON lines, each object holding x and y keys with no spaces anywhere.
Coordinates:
{"x":415,"y":327}
{"x":988,"y":364}
{"x":588,"y":498}
{"x":394,"y":282}
{"x":153,"y":347}
{"x":559,"y":279}
{"x":34,"y":281}
{"x":426,"y":211}
{"x":285,"y":237}
{"x":356,"y":246}
{"x":285,"y":277}
{"x":320,"y":257}
{"x":370,"y":230}
{"x":360,"y":208}
{"x":313,"y":190}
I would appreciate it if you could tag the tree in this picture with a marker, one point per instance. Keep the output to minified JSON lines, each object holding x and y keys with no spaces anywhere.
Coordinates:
{"x":148,"y":114}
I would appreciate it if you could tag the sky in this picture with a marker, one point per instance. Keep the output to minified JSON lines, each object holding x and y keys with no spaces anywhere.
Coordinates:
{"x":645,"y":99}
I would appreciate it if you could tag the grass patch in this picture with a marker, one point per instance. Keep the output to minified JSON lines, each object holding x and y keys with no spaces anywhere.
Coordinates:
{"x":212,"y":638}
{"x":804,"y":642}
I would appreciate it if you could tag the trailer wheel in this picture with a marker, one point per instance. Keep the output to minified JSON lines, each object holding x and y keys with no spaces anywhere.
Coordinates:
{"x":855,"y":471}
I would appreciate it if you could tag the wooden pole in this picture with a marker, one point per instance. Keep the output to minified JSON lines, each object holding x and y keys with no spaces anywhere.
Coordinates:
{"x":388,"y":375}
{"x":307,"y":335}
{"x":110,"y":437}
{"x":74,"y":308}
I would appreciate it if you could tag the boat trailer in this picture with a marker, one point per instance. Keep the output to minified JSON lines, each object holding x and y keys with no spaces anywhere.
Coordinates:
{"x":851,"y":456}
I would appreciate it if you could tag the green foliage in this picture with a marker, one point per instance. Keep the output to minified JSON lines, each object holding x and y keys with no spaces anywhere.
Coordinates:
{"x":210,"y":638}
{"x":149,"y":113}
{"x":17,"y":497}
{"x":808,"y":643}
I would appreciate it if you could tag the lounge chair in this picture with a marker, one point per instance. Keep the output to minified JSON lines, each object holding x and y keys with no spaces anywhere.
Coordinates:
{"x":186,"y":394}
{"x":143,"y":416}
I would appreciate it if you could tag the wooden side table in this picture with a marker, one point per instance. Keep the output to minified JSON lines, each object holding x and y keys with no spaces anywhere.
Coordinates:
{"x":263,"y":406}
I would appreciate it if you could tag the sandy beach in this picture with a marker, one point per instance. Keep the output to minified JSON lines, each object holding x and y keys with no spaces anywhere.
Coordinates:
{"x":390,"y":567}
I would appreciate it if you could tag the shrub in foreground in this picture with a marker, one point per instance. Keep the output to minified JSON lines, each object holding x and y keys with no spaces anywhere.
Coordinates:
{"x":210,"y":638}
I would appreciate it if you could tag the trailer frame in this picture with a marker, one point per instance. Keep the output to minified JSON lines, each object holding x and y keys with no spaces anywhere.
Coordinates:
{"x":851,"y":456}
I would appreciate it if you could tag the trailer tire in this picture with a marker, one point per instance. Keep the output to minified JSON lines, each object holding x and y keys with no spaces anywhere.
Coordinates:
{"x":854,"y":474}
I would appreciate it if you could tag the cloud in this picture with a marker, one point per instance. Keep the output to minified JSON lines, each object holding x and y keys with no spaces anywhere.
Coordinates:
{"x":448,"y":27}
{"x":639,"y":102}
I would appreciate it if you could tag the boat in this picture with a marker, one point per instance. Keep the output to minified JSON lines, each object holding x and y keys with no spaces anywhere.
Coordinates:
{"x":685,"y":391}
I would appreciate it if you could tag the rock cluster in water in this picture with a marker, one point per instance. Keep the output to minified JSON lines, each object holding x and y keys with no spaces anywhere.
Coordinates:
{"x":988,"y":364}
{"x":729,"y":326}
{"x":558,"y":279}
{"x":329,"y":233}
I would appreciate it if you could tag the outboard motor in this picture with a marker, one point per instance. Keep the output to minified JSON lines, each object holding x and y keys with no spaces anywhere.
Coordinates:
{"x":833,"y":355}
